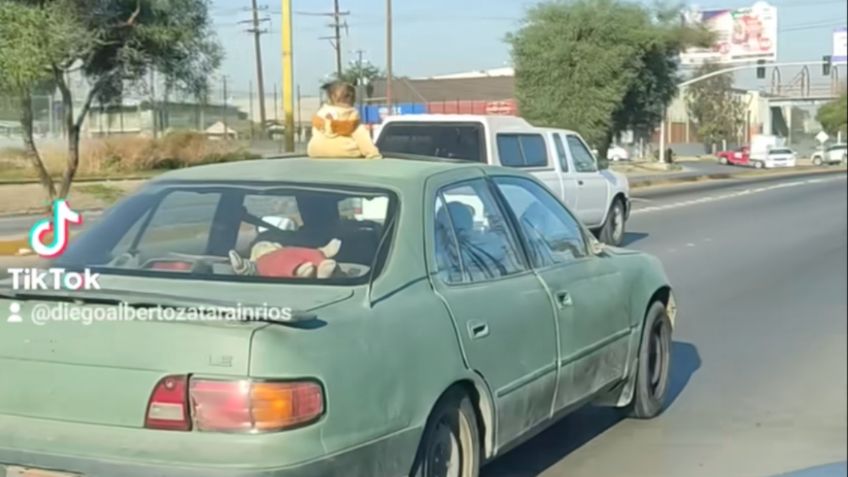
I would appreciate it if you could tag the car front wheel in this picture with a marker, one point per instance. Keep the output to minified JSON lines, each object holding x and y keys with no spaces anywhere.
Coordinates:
{"x":817,"y":161}
{"x":722,"y":161}
{"x":450,"y":446}
{"x":612,"y":231}
{"x":759,"y":164}
{"x":652,"y":371}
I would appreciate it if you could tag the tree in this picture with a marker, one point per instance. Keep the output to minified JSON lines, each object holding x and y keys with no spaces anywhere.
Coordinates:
{"x":833,"y":116}
{"x":716,"y":109}
{"x":599,"y":67}
{"x":114,"y":44}
{"x":362,"y":74}
{"x":31,"y":38}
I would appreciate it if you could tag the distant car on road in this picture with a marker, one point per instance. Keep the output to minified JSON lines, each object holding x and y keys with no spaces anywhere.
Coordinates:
{"x":831,"y":155}
{"x":617,"y":153}
{"x":559,"y":158}
{"x":740,"y":156}
{"x":439,"y":344}
{"x":780,"y":157}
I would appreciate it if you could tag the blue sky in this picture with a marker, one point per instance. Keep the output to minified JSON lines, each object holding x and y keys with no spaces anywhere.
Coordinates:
{"x":447,"y":36}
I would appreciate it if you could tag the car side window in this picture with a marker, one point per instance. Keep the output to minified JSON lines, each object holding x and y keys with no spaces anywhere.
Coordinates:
{"x":474,"y":241}
{"x":560,"y":149}
{"x":552,"y":234}
{"x":583,"y":159}
{"x":522,"y":150}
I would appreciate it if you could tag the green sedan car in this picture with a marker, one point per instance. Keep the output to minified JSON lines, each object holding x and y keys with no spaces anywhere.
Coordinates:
{"x":430,"y":316}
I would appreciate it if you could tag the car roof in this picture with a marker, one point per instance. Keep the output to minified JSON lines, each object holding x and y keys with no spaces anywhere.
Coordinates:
{"x":557,"y":130}
{"x":355,"y":172}
{"x":489,"y":120}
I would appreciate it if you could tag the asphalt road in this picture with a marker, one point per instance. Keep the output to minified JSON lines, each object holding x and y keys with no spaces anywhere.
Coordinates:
{"x":759,"y":374}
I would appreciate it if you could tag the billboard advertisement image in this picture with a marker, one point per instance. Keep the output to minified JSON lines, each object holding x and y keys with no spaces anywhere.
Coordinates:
{"x":742,"y":35}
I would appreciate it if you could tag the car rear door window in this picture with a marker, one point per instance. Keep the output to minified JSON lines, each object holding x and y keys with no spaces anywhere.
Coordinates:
{"x":522,"y":150}
{"x":474,"y":242}
{"x":552,"y":235}
{"x":584,"y":161}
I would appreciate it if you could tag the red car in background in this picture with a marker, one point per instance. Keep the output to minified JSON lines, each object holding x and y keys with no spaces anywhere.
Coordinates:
{"x":737,"y":157}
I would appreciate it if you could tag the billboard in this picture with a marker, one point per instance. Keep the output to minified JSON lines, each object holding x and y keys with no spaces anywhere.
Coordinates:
{"x":742,"y":35}
{"x":840,"y":45}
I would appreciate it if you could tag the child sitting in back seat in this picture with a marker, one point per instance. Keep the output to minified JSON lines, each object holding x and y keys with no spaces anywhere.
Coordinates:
{"x":336,"y":128}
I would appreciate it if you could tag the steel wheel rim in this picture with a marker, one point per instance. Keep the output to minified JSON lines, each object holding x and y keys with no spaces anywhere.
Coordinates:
{"x":617,"y":223}
{"x":657,"y":359}
{"x":443,"y":453}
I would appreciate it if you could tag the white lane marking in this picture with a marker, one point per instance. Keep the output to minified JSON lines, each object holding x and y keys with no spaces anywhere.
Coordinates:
{"x":690,"y":244}
{"x":639,"y":199}
{"x":714,"y":198}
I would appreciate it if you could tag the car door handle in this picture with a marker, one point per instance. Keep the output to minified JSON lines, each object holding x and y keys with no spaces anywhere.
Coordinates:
{"x":563,"y":299}
{"x":477,"y":330}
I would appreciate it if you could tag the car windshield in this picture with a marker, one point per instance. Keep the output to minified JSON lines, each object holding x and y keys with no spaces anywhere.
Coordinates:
{"x":780,"y":151}
{"x":449,"y":140}
{"x":238,"y":231}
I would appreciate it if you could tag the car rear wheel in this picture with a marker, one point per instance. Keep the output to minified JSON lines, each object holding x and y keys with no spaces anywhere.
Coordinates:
{"x":450,"y":446}
{"x":612,"y":231}
{"x":817,"y":161}
{"x":722,"y":161}
{"x":759,"y":164}
{"x":652,"y":372}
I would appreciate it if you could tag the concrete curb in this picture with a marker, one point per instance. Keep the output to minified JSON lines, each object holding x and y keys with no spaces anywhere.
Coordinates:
{"x":659,"y":182}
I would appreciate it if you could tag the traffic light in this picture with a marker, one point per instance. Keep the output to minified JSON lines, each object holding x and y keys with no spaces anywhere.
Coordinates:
{"x":827,"y":61}
{"x":761,"y":69}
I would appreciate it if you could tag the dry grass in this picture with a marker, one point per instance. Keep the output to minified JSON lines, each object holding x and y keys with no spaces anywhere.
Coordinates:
{"x":127,"y":154}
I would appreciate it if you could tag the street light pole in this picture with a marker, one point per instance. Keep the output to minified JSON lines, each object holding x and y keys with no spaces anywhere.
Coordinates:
{"x":389,"y":55}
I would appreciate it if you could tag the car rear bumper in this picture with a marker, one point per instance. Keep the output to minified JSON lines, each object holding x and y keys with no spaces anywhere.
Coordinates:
{"x":151,"y":456}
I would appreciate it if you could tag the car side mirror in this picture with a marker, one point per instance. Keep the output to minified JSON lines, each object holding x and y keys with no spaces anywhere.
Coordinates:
{"x":596,"y":246}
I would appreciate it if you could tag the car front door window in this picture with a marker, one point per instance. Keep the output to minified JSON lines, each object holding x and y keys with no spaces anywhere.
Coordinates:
{"x":552,"y":235}
{"x":583,"y":159}
{"x":473,"y":239}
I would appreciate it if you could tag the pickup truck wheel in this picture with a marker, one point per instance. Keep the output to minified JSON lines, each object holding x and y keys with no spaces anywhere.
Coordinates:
{"x":652,"y":371}
{"x":612,"y":231}
{"x":817,"y":161}
{"x":450,"y":446}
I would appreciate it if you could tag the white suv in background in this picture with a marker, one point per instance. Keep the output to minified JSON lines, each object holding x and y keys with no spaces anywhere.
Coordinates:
{"x":831,"y":155}
{"x":559,"y":158}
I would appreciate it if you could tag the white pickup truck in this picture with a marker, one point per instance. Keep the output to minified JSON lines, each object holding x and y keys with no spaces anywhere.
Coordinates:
{"x":559,"y":158}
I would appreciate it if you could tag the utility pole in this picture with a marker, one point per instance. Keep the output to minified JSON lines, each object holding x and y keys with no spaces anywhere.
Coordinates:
{"x":226,"y":128}
{"x":339,"y":21}
{"x":359,"y":78}
{"x":257,"y":46}
{"x":288,"y":73}
{"x":389,"y":55}
{"x":250,"y":108}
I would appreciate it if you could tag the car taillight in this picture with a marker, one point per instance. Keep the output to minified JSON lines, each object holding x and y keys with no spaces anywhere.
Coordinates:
{"x":168,"y":405}
{"x":254,"y":406}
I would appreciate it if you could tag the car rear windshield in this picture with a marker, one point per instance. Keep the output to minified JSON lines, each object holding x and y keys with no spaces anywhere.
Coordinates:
{"x":781,"y":151}
{"x":235,"y":231}
{"x":464,"y":141}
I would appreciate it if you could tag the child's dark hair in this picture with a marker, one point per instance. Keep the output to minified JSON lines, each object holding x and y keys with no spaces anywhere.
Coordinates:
{"x":340,"y":92}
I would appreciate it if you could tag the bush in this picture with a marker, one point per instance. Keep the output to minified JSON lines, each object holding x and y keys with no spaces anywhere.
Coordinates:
{"x":132,"y":154}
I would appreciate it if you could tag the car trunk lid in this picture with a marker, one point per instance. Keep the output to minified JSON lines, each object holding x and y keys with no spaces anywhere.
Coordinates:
{"x":75,"y":356}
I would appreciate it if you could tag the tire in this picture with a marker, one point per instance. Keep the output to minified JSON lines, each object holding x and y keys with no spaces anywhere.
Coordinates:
{"x":722,"y":161}
{"x":652,"y":372}
{"x":612,"y":232}
{"x":450,"y":446}
{"x":817,"y":161}
{"x":759,"y":165}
